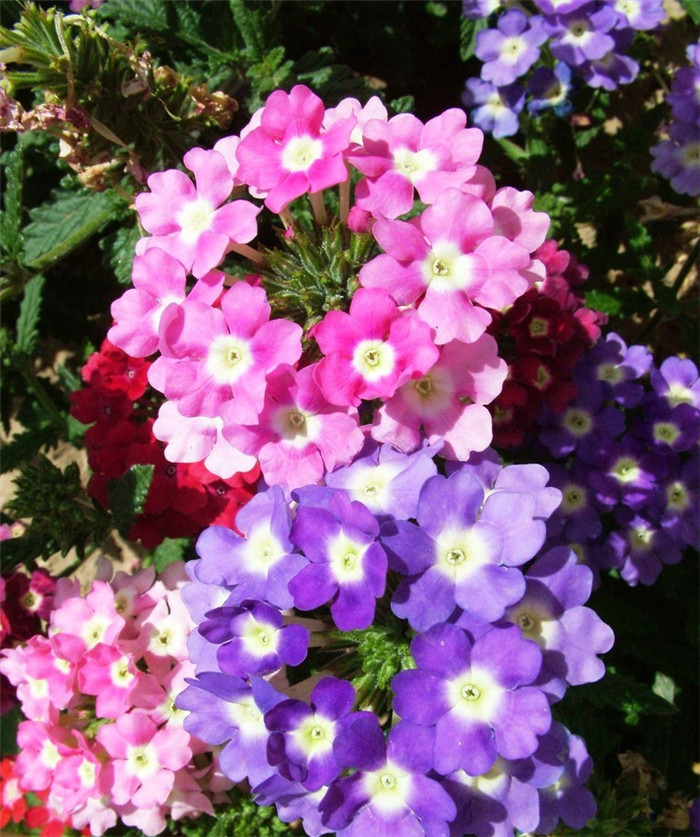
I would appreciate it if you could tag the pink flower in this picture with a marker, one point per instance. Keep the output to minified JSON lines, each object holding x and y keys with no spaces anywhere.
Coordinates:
{"x":371,"y":351}
{"x":291,"y":154}
{"x":444,"y":261}
{"x":76,"y":778}
{"x":299,"y":435}
{"x":199,"y":439}
{"x":111,"y":675}
{"x":447,"y":402}
{"x":143,"y":759}
{"x":41,"y":747}
{"x":79,"y":624}
{"x":223,"y":355}
{"x":514,"y":217}
{"x":158,"y":279}
{"x":374,"y":109}
{"x":403,"y":153}
{"x":188,"y":221}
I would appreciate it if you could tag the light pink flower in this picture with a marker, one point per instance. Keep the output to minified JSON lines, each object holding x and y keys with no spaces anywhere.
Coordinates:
{"x":76,"y":777}
{"x":111,"y":675}
{"x":143,"y":759}
{"x":403,"y":153}
{"x":447,"y":402}
{"x":300,"y":435}
{"x":79,"y":624}
{"x":223,"y":355}
{"x":199,"y":439}
{"x":291,"y":154}
{"x":41,"y":747}
{"x":371,"y":351}
{"x":190,"y":222}
{"x":446,"y":260}
{"x":373,"y":109}
{"x":158,"y":280}
{"x":514,"y":218}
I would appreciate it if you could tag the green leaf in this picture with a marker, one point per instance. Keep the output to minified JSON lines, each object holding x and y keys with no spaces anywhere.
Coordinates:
{"x":60,"y":225}
{"x":468,"y":31}
{"x":171,"y":550}
{"x":151,"y":15}
{"x":23,"y":446}
{"x":692,"y":8}
{"x":665,"y":687}
{"x":512,"y":150}
{"x":127,"y":496}
{"x":435,"y":8}
{"x":11,"y":238}
{"x":627,"y":695}
{"x":29,"y":312}
{"x":119,"y":250}
{"x":603,"y":301}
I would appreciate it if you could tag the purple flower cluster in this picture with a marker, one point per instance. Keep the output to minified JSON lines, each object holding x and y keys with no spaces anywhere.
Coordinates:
{"x":567,"y":42}
{"x":677,"y":158}
{"x":494,"y":632}
{"x":630,"y":495}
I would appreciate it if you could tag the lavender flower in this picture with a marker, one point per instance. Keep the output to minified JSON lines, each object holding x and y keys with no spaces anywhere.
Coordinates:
{"x":614,"y":68}
{"x":581,"y":35}
{"x":476,"y":695}
{"x":639,"y":548}
{"x":639,"y":14}
{"x":498,"y":107}
{"x":510,"y":50}
{"x":678,"y":158}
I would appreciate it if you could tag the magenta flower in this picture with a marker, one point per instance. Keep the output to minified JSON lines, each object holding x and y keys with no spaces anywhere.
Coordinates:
{"x":158,"y":280}
{"x":447,"y":402}
{"x":223,"y":356}
{"x":403,"y":154}
{"x":299,"y":435}
{"x":290,"y":153}
{"x":188,"y":221}
{"x":444,"y":261}
{"x":372,"y":351}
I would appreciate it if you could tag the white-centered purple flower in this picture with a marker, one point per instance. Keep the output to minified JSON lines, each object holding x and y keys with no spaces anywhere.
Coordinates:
{"x":581,"y":35}
{"x":389,"y":793}
{"x":476,"y":695}
{"x":512,"y":48}
{"x":640,"y":548}
{"x":495,"y":109}
{"x":253,"y":640}
{"x":347,"y":566}
{"x":302,"y":735}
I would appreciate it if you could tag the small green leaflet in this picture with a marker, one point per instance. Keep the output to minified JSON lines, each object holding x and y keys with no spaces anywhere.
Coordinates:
{"x":28,"y":320}
{"x":11,"y":219}
{"x":60,"y":225}
{"x":127,"y":496}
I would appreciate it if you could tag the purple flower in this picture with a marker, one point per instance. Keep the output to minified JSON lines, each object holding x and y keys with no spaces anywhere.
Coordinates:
{"x":578,"y":516}
{"x":584,"y":425}
{"x":684,"y":97}
{"x":258,"y":565}
{"x":347,"y":566}
{"x":614,"y":367}
{"x":458,"y":554}
{"x":293,"y":802}
{"x":551,"y":613}
{"x":626,"y":472}
{"x":665,"y":429}
{"x":553,"y":7}
{"x":477,"y":9}
{"x":226,"y":710}
{"x":581,"y":35}
{"x":387,"y":481}
{"x":639,"y":14}
{"x":476,"y":695}
{"x":498,"y":107}
{"x":253,"y":640}
{"x":390,"y":793}
{"x":640,"y":549}
{"x":614,"y":68}
{"x":678,"y":158}
{"x":676,"y":505}
{"x":551,"y":89}
{"x":677,"y":380}
{"x":510,"y":50}
{"x":567,"y":799}
{"x":301,"y":736}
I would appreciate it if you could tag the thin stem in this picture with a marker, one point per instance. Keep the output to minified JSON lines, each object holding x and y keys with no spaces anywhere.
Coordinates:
{"x":344,"y":196}
{"x":248,"y":252}
{"x":319,"y":208}
{"x":286,"y":217}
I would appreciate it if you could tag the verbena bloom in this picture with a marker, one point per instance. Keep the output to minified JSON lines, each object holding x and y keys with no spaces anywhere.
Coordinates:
{"x":512,"y":48}
{"x":290,"y":153}
{"x":495,"y":109}
{"x":678,"y":158}
{"x":550,"y":88}
{"x":192,"y":222}
{"x":372,"y":350}
{"x":581,"y":35}
{"x":347,"y":566}
{"x":476,"y":695}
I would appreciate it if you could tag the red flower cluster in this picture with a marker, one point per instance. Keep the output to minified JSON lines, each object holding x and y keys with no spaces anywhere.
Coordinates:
{"x":542,"y":336}
{"x":183,"y":498}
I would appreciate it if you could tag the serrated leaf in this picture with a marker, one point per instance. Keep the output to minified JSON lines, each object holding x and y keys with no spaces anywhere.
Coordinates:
{"x":139,"y":14}
{"x":11,"y":238}
{"x":28,"y":320}
{"x":169,"y":551}
{"x":119,"y":250}
{"x":127,"y":496}
{"x":60,"y":225}
{"x":23,"y":446}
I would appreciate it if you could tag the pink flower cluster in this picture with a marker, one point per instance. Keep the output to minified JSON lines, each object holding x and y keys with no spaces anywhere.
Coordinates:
{"x":103,"y":739}
{"x":407,"y":358}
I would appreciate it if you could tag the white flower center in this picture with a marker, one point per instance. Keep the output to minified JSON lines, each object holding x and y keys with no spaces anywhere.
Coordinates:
{"x":388,"y":788}
{"x":475,"y":695}
{"x":610,"y":373}
{"x":447,"y":269}
{"x":300,"y":153}
{"x":295,"y":426}
{"x":460,"y":553}
{"x":373,"y":359}
{"x":119,"y":673}
{"x":346,"y":558}
{"x":260,"y":639}
{"x":414,"y":164}
{"x":194,"y":218}
{"x":314,"y":736}
{"x":229,"y":357}
{"x":142,"y":761}
{"x":626,"y":470}
{"x":577,"y":421}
